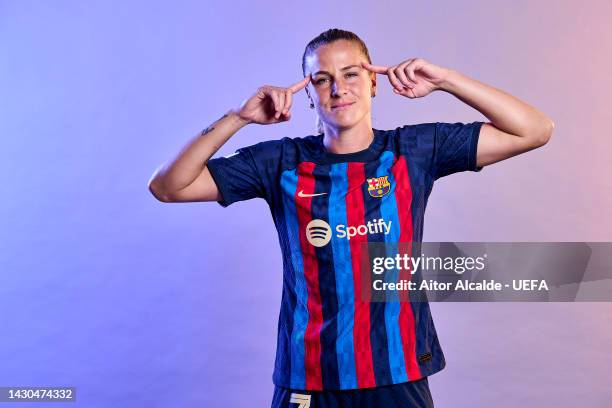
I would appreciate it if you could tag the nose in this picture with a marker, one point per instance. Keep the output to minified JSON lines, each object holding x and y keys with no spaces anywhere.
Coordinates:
{"x":338,"y":88}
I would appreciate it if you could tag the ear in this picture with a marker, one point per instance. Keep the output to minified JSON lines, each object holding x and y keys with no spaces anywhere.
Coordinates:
{"x":373,"y":79}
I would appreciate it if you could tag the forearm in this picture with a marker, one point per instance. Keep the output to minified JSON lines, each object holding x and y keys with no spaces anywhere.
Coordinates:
{"x":188,"y":164}
{"x":505,"y":111}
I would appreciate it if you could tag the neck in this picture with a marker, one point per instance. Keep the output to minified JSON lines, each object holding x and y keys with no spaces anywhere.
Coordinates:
{"x":348,"y":140}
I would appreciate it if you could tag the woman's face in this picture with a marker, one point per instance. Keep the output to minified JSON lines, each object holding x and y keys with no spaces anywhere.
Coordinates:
{"x":337,"y":79}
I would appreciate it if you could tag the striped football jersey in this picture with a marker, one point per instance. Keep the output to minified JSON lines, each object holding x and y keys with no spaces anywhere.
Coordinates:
{"x":326,"y":208}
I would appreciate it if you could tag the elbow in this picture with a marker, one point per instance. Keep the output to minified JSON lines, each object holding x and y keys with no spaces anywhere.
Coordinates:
{"x":157,"y":192}
{"x":545,"y":133}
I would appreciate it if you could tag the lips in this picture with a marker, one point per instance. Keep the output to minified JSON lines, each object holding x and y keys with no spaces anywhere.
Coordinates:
{"x":342,"y":105}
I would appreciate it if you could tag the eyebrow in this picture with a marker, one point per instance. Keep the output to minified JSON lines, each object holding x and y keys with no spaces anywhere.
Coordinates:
{"x":342,"y":69}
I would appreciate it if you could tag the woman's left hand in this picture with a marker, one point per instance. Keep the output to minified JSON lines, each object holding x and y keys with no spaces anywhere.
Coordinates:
{"x":413,"y":78}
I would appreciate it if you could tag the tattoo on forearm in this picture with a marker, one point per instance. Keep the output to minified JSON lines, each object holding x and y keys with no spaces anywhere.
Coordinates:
{"x":212,"y":126}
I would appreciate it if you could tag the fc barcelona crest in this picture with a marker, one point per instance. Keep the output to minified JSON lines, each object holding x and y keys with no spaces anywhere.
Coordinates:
{"x":378,"y":186}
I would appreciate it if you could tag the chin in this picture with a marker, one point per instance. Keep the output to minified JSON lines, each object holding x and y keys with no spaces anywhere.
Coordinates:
{"x":343,"y":125}
{"x":345,"y":122}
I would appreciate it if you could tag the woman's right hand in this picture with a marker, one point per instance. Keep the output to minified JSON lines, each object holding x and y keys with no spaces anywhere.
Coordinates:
{"x":270,"y":104}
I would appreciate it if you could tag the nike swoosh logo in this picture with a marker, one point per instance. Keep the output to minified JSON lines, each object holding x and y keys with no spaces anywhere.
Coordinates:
{"x":302,"y":194}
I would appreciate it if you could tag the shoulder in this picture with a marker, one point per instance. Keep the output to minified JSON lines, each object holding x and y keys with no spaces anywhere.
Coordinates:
{"x":416,"y":128}
{"x":282,"y":147}
{"x":413,"y":129}
{"x":274,"y":156}
{"x":412,"y":135}
{"x":426,"y":133}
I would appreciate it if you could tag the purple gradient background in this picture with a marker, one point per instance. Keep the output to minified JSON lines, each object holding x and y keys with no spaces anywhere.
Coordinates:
{"x":138,"y":303}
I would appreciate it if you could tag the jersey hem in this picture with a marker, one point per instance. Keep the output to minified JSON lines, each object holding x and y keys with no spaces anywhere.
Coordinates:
{"x":424,"y":373}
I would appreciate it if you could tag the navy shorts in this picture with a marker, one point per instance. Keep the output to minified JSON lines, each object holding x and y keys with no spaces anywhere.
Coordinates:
{"x":413,"y":394}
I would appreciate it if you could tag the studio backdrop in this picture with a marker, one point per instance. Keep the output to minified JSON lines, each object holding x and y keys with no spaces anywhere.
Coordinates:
{"x":139,"y":303}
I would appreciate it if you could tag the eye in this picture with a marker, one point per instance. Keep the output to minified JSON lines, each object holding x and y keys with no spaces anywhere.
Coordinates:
{"x":320,"y":81}
{"x":352,"y":74}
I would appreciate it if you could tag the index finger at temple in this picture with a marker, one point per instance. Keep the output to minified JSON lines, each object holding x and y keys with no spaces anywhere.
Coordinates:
{"x":379,"y":69}
{"x":300,"y":85}
{"x":288,"y":100}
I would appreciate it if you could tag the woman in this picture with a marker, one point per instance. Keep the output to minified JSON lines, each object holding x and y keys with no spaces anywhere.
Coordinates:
{"x":333,"y":193}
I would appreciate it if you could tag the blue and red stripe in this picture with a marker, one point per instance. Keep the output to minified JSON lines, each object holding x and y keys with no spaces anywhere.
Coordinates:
{"x":361,"y":329}
{"x":345,"y":292}
{"x":378,"y":331}
{"x":312,"y":343}
{"x":389,"y":212}
{"x":326,"y":281}
{"x":289,"y":181}
{"x":403,"y":198}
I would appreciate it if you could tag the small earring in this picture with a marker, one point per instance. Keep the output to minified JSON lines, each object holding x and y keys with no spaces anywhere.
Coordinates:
{"x":373,"y":95}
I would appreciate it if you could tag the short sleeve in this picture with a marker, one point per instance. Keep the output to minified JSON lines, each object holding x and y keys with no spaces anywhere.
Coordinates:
{"x":236,"y":176}
{"x":455,"y":147}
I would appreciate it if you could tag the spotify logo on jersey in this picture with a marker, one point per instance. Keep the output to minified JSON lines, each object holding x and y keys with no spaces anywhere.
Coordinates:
{"x":318,"y":232}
